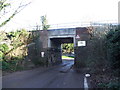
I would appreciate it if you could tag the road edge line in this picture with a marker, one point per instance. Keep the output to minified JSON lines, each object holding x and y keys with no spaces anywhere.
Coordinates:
{"x":85,"y":84}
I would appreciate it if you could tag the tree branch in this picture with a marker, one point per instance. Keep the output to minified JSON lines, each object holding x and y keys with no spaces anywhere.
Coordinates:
{"x":3,"y":5}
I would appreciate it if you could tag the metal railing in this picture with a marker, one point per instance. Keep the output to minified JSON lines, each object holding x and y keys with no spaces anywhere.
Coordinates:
{"x":74,"y":25}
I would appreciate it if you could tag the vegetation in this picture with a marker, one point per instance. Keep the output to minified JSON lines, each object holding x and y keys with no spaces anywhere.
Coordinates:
{"x":103,"y":63}
{"x":6,"y":11}
{"x":113,"y":47}
{"x":45,"y":26}
{"x":68,"y":48}
{"x":13,"y":49}
{"x":67,"y":57}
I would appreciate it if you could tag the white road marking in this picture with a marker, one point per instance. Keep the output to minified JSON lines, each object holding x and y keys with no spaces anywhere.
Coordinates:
{"x":85,"y":84}
{"x":0,"y":83}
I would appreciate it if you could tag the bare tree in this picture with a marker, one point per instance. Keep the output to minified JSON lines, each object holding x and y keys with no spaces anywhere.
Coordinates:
{"x":5,"y":10}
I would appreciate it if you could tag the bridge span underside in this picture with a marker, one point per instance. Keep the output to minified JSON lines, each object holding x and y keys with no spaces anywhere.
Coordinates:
{"x":62,"y":40}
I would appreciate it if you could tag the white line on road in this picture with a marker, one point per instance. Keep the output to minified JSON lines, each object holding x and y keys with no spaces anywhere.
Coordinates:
{"x":85,"y":84}
{"x":0,"y":83}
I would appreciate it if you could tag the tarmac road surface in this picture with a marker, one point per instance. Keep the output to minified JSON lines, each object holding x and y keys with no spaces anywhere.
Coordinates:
{"x":61,"y":76}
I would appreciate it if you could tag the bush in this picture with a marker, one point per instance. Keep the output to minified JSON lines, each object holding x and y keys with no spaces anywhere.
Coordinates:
{"x":11,"y":56}
{"x":4,"y":48}
{"x":113,"y":47}
{"x":67,"y":47}
{"x":110,"y":85}
{"x":11,"y":65}
{"x":113,"y":85}
{"x":1,"y":55}
{"x":5,"y":65}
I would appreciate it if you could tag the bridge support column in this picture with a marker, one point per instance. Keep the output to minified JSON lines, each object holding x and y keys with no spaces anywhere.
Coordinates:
{"x":81,"y":48}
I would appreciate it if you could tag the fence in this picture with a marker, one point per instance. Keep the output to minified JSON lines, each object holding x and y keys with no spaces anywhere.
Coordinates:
{"x":74,"y":25}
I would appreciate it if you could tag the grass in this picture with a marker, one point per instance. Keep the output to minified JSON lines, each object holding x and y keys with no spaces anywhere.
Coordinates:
{"x":68,"y":57}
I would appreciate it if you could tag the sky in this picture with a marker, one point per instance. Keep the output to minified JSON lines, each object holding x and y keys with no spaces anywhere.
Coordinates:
{"x":65,"y":11}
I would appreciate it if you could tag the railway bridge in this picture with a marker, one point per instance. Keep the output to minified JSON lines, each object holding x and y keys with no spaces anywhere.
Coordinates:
{"x":49,"y":42}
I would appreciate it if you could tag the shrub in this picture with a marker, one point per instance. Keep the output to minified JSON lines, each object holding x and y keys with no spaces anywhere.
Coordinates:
{"x":113,"y":85}
{"x":4,"y":48}
{"x":1,"y":55}
{"x":113,"y":47}
{"x":12,"y":56}
{"x":5,"y":65}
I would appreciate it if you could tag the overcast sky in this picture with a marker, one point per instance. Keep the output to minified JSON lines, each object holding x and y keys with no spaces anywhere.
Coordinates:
{"x":65,"y":11}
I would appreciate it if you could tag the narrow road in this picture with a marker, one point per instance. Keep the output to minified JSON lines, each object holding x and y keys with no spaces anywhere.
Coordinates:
{"x":61,"y":76}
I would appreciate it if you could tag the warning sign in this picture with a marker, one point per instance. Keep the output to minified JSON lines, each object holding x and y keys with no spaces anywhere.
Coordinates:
{"x":77,"y":36}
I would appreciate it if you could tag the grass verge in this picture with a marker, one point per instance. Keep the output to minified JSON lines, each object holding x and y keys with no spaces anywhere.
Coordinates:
{"x":67,"y":57}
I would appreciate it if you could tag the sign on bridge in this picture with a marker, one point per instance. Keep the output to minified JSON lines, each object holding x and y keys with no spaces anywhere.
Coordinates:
{"x":81,"y":43}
